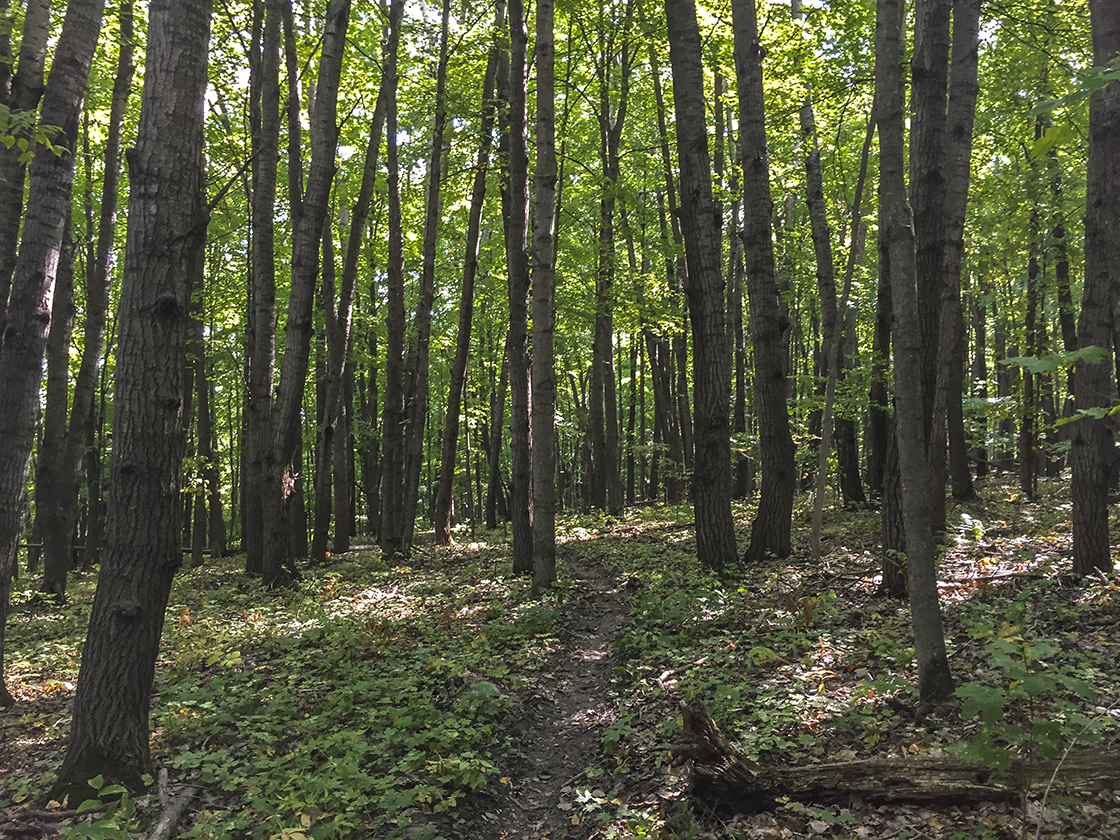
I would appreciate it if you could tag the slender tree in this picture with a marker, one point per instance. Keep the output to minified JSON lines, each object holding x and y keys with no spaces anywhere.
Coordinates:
{"x":29,"y":312}
{"x":711,"y":371}
{"x":935,"y":682}
{"x":544,"y":307}
{"x":770,"y":532}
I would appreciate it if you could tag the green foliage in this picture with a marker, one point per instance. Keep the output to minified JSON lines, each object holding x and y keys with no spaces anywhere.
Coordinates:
{"x":22,"y":130}
{"x":114,"y":810}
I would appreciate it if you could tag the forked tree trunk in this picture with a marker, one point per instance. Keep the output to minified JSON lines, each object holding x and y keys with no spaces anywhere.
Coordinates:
{"x":166,"y":237}
{"x":935,"y":681}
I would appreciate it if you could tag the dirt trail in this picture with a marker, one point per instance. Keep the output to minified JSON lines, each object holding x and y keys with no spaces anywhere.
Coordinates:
{"x":556,"y":724}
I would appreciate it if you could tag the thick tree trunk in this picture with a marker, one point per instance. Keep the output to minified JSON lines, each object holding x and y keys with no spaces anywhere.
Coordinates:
{"x":770,"y":532}
{"x":1092,"y":440}
{"x":919,"y":490}
{"x":701,"y":226}
{"x":544,"y":307}
{"x":515,"y":210}
{"x":166,"y":234}
{"x":442,"y":517}
{"x":29,"y":314}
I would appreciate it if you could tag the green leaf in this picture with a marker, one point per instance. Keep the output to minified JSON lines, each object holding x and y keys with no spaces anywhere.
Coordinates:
{"x":982,"y":700}
{"x":1053,"y":137}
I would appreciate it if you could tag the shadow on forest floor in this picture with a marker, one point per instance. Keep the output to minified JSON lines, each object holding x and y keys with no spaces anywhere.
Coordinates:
{"x":438,"y":699}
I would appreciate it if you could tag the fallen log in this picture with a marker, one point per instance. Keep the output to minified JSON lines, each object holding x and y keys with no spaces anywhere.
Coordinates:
{"x":721,"y":780}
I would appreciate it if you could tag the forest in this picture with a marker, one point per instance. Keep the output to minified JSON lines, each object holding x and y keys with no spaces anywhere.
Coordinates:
{"x":534,"y":420}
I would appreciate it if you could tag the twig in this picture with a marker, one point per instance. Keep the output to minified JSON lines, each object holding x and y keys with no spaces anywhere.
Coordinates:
{"x":170,"y":815}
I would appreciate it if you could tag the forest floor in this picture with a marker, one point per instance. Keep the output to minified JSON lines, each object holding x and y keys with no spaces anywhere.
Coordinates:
{"x":438,"y":699}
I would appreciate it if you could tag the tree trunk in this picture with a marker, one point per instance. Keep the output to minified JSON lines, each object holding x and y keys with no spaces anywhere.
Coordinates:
{"x":770,"y":532}
{"x":442,"y":517}
{"x":19,"y":92}
{"x":166,"y":235}
{"x":50,"y":469}
{"x":494,"y":451}
{"x":264,"y":116}
{"x":929,"y":83}
{"x":29,"y":314}
{"x":544,"y":307}
{"x":935,"y":682}
{"x":515,"y":211}
{"x":980,"y":381}
{"x":701,"y":226}
{"x":958,"y":156}
{"x":1092,"y":440}
{"x":282,"y":504}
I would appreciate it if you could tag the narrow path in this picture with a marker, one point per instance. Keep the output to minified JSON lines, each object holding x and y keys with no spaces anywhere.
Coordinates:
{"x":556,"y":724}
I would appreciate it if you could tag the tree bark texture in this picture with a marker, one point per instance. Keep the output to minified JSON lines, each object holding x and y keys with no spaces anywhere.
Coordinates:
{"x":701,"y":226}
{"x":265,"y":120}
{"x":1092,"y":439}
{"x":770,"y":532}
{"x":166,"y":233}
{"x":544,"y":306}
{"x":29,"y":313}
{"x":935,"y":682}
{"x":515,"y":210}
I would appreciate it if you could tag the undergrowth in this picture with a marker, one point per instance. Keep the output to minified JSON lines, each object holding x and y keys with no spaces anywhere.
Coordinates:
{"x":373,"y":701}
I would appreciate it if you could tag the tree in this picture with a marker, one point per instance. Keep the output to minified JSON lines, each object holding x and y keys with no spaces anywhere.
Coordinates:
{"x":29,"y":312}
{"x":515,"y":211}
{"x":770,"y":532}
{"x":935,"y":682}
{"x":1092,"y":440}
{"x":700,"y":222}
{"x":544,"y":307}
{"x":57,"y":488}
{"x":166,"y":235}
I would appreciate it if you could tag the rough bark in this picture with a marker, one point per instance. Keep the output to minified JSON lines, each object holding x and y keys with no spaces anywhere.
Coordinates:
{"x":929,"y":84}
{"x":29,"y":314}
{"x":701,"y":227}
{"x":265,"y":119}
{"x":515,"y":211}
{"x":166,"y":233}
{"x":935,"y":682}
{"x":960,"y":115}
{"x":1092,"y":439}
{"x":770,"y":531}
{"x":544,"y":306}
